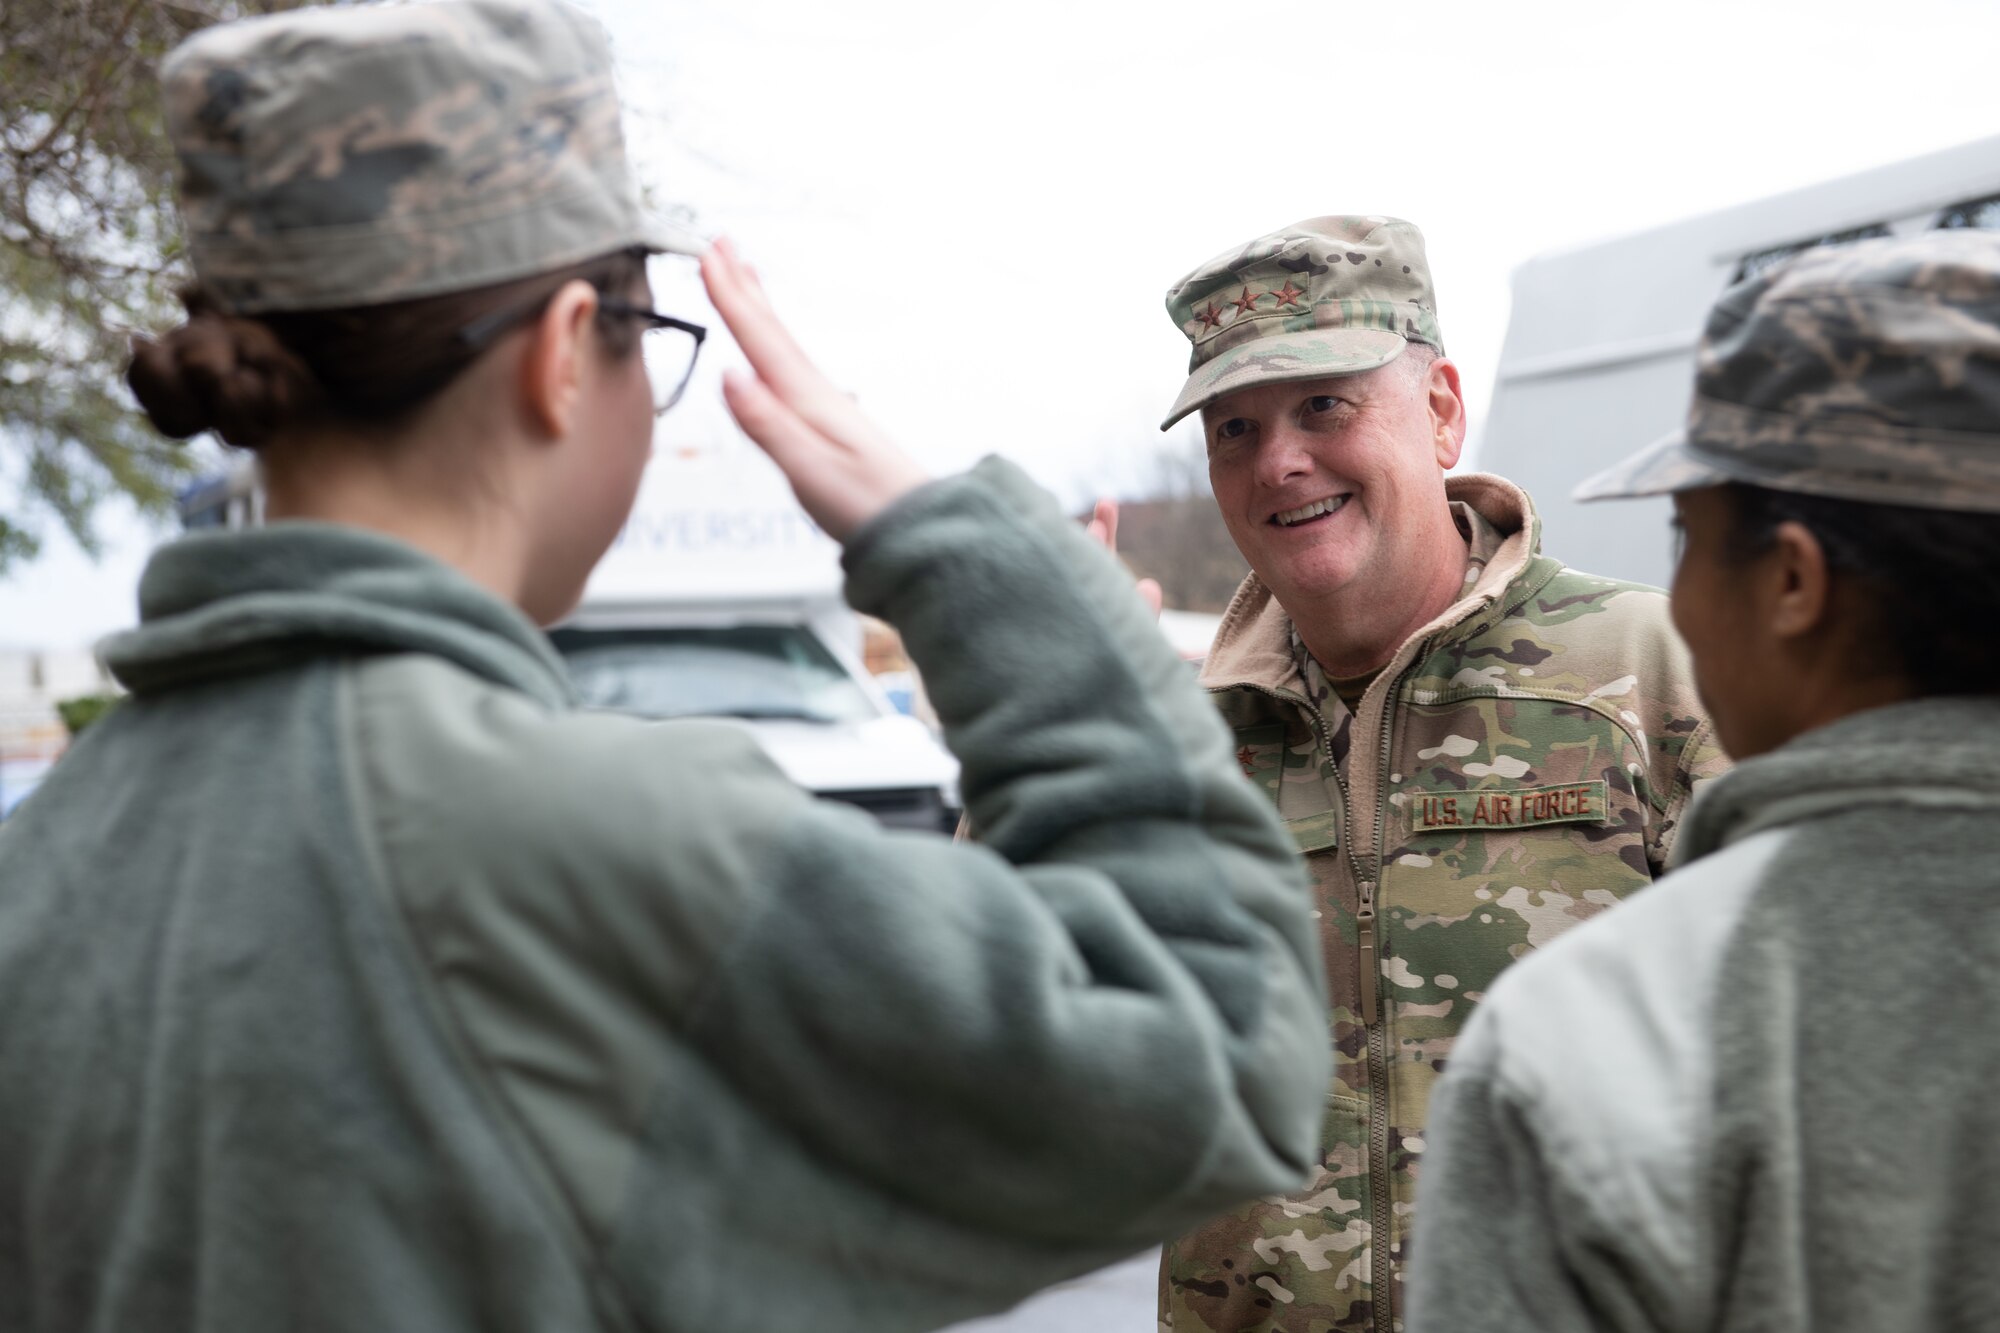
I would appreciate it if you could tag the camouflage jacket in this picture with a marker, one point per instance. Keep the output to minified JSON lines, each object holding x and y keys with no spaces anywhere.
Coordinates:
{"x":1519,"y":765}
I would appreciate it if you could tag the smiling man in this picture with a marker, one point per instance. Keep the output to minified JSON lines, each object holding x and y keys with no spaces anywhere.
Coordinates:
{"x":1474,"y":747}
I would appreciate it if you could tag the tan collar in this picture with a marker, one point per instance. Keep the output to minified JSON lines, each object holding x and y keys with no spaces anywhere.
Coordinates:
{"x":1253,"y":644}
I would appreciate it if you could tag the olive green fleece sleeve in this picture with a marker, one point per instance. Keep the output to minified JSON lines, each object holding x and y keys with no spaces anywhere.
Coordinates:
{"x":1108,"y":1015}
{"x":769,"y":1057}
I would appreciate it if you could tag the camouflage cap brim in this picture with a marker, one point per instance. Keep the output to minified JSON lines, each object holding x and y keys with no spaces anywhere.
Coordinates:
{"x":1864,"y":461}
{"x":1299,"y":355}
{"x":1661,"y":468}
{"x":667,"y":238}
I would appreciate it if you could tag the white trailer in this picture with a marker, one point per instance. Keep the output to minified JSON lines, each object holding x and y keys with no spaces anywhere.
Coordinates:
{"x":1599,"y":356}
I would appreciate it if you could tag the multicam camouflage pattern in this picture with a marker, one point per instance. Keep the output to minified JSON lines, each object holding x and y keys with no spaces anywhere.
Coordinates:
{"x":1866,"y":372}
{"x":1519,"y":766}
{"x":1326,"y":296}
{"x":339,"y":157}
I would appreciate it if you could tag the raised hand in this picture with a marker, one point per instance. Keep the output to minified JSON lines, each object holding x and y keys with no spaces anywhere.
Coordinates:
{"x":1103,"y":527}
{"x":841,"y":466}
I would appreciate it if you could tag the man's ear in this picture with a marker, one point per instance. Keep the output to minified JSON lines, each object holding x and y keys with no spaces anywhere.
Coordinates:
{"x":1801,"y":583}
{"x":1447,"y":406}
{"x":554,"y":359}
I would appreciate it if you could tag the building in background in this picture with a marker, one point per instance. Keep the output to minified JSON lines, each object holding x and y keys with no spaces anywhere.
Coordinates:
{"x":230,"y":498}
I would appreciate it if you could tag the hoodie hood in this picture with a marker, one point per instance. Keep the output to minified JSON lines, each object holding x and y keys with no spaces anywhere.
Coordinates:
{"x":237,"y":603}
{"x":1940,"y":752}
{"x":1253,"y":644}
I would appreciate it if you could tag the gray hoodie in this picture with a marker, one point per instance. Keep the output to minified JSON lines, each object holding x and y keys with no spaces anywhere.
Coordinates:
{"x":354,"y":979}
{"x":1764,"y":1094}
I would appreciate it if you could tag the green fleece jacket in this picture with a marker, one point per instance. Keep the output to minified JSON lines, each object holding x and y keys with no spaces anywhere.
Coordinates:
{"x":355,"y":980}
{"x":1764,"y":1095}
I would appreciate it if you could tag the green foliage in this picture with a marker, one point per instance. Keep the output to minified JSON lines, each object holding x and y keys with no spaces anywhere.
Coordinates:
{"x":85,"y":709}
{"x":90,"y":251}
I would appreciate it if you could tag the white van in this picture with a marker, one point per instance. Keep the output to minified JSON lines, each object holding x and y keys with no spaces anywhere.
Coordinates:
{"x":721,"y":599}
{"x":1599,"y":356}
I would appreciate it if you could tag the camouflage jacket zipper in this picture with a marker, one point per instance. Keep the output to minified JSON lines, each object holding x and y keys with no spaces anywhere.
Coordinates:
{"x":1380,"y":1203}
{"x":1369,"y":982}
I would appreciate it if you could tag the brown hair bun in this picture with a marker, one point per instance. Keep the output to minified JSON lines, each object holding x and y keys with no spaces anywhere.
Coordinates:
{"x":249,"y":378}
{"x":222,"y":373}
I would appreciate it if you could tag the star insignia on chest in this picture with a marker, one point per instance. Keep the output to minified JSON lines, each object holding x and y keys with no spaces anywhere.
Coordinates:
{"x":1246,"y":757}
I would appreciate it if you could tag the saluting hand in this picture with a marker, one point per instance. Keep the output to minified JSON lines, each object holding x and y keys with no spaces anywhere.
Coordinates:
{"x":841,"y":466}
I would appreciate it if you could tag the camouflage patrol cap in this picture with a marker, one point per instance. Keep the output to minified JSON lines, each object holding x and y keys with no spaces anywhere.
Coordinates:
{"x":342,"y":157}
{"x":1866,"y":372}
{"x":1326,"y":296}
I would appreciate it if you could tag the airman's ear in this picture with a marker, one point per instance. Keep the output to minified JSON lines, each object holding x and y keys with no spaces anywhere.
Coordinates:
{"x":1802,"y":582}
{"x":552,"y":360}
{"x":1446,"y":399}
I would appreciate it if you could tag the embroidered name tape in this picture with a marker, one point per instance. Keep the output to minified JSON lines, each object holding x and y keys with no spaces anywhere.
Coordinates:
{"x":1493,"y":808}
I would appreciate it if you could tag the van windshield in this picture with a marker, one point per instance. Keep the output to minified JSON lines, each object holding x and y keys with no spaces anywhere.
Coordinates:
{"x":748,"y":671}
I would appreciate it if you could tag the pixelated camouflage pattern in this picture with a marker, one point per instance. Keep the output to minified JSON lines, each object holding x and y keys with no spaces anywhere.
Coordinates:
{"x":1326,"y":296}
{"x":1542,"y":676}
{"x":339,"y":157}
{"x":1867,"y":371}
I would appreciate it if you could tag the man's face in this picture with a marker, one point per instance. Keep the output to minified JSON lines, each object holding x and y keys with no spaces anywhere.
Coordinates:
{"x":1335,"y":483}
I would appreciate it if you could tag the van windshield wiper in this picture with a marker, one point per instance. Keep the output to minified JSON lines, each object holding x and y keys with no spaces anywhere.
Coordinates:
{"x":773,"y":713}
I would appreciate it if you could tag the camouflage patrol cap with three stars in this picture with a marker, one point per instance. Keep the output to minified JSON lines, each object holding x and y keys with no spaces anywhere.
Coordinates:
{"x":1866,"y":372}
{"x":344,"y":157}
{"x":1326,"y":296}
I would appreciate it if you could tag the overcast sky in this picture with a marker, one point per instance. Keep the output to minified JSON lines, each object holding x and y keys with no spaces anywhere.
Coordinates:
{"x":971,"y":212}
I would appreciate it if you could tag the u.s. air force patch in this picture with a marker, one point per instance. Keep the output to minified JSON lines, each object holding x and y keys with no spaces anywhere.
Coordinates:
{"x":1508,"y":808}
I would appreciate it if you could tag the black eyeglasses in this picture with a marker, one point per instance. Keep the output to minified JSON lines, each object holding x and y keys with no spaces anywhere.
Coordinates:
{"x":669,"y":345}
